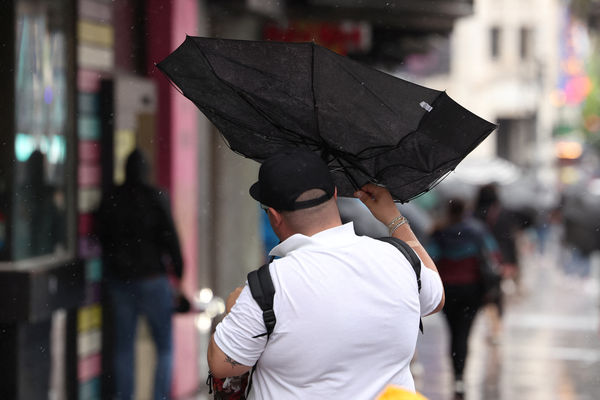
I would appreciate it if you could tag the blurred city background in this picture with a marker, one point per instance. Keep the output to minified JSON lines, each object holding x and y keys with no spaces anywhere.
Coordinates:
{"x":80,"y":91}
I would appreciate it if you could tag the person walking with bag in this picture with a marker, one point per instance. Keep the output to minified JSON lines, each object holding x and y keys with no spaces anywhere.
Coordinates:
{"x":463,"y":250}
{"x":347,"y":307}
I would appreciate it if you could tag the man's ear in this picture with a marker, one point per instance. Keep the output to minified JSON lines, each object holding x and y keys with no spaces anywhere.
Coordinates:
{"x":275,"y":217}
{"x":335,"y":193}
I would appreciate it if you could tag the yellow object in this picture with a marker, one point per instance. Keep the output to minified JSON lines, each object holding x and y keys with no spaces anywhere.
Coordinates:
{"x":89,"y":317}
{"x":124,"y":144}
{"x":392,"y":392}
{"x":96,"y":33}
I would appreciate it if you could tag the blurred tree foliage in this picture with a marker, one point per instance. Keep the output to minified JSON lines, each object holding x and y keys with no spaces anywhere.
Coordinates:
{"x":588,"y":11}
{"x":591,"y":107}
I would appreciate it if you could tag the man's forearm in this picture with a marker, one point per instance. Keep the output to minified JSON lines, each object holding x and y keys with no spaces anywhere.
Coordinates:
{"x":406,"y":234}
{"x":379,"y":201}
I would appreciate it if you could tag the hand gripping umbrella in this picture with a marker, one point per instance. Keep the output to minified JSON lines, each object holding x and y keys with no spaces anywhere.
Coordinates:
{"x":367,"y":125}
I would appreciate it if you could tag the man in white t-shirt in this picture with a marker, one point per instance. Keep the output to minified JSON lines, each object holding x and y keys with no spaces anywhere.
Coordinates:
{"x":347,"y":306}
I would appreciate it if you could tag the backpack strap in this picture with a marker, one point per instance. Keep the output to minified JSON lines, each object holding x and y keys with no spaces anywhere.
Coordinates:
{"x":263,"y":291}
{"x":412,"y":258}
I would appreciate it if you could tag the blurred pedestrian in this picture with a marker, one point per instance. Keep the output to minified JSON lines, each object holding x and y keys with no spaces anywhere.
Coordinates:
{"x":458,"y":247}
{"x":347,"y":307}
{"x":140,"y":250}
{"x":504,"y":226}
{"x":40,"y":211}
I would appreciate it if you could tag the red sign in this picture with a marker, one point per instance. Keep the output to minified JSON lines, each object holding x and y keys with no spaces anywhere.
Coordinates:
{"x":339,"y":37}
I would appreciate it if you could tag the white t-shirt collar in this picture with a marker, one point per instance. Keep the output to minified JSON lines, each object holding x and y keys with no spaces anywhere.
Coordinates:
{"x":336,"y":235}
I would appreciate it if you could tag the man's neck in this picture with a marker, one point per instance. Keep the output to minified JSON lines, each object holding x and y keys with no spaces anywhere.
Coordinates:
{"x":309,"y":231}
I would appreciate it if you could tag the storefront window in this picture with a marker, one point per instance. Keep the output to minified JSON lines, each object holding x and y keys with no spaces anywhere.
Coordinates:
{"x":41,"y":107}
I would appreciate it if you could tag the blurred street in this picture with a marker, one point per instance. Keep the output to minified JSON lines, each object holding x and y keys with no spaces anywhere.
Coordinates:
{"x":549,"y":348}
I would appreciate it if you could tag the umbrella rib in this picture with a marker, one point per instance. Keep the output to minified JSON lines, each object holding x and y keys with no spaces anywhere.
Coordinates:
{"x":281,"y":128}
{"x":366,"y":87}
{"x":243,"y":96}
{"x":214,"y":110}
{"x":381,"y":171}
{"x":174,"y":85}
{"x":429,"y":187}
{"x":348,"y":175}
{"x":250,"y":129}
{"x":293,"y":137}
{"x":318,"y":131}
{"x":439,"y":169}
{"x":312,"y":89}
{"x":230,"y":119}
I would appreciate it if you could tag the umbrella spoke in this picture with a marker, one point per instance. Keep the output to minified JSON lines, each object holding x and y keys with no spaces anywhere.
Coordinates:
{"x":366,"y":87}
{"x":250,"y":102}
{"x":293,"y":138}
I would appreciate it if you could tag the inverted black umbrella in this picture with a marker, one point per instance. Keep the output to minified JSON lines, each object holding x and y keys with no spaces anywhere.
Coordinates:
{"x":367,"y":125}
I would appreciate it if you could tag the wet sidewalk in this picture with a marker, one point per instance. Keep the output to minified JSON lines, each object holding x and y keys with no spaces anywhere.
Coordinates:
{"x":549,"y":347}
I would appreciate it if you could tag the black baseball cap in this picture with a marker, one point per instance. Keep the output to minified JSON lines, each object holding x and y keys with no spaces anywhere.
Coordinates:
{"x":283,"y":177}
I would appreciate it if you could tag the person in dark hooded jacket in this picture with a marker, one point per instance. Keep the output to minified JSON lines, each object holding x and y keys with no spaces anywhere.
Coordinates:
{"x":140,"y":250}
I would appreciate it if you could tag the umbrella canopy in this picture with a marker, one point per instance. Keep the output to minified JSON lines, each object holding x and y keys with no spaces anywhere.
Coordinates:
{"x":367,"y":125}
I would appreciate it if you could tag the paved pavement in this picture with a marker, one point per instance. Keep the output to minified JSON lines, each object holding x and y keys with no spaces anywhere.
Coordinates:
{"x":549,"y":347}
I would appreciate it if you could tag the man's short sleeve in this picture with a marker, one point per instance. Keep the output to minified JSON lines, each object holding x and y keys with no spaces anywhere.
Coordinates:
{"x":431,"y":290}
{"x":235,"y":334}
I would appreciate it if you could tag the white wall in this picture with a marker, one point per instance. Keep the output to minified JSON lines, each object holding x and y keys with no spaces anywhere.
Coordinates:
{"x":508,"y":87}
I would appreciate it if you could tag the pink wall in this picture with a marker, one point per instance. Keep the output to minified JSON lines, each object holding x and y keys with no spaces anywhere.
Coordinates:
{"x":168,"y":23}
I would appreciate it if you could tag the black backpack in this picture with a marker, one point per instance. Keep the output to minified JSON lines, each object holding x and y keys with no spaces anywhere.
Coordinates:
{"x":261,"y":285}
